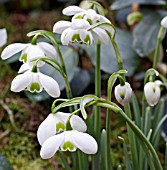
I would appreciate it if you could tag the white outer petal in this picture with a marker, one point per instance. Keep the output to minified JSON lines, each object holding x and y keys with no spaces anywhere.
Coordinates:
{"x":72,"y":10}
{"x":104,"y":19}
{"x":151,"y":96}
{"x":51,"y":145}
{"x":48,"y":49}
{"x":3,"y":35}
{"x":78,"y":124}
{"x":126,"y":90}
{"x":46,"y":129}
{"x":80,"y":24}
{"x":102,"y":35}
{"x":21,"y":81}
{"x":12,"y":49}
{"x":84,"y":142}
{"x":24,"y":68}
{"x":50,"y":85}
{"x":164,"y":22}
{"x":60,"y":26}
{"x":83,"y":34}
{"x":66,"y":36}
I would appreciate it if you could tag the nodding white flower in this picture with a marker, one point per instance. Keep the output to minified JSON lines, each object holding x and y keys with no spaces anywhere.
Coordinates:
{"x":90,"y":15}
{"x":68,"y":140}
{"x":3,"y":35}
{"x":164,"y":22}
{"x":123,"y":93}
{"x":56,"y":123}
{"x":51,"y":138}
{"x":152,"y":92}
{"x":35,"y":82}
{"x":30,"y":52}
{"x":75,"y":31}
{"x":78,"y":29}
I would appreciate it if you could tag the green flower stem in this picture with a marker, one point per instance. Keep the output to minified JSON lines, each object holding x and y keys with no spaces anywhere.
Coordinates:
{"x":96,"y":160}
{"x":136,"y":130}
{"x":118,"y":55}
{"x":159,"y":40}
{"x":108,"y":132}
{"x":132,"y":139}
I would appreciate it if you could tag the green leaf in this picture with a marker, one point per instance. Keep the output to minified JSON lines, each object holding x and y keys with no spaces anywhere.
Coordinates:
{"x":145,"y":34}
{"x":108,"y":59}
{"x":37,"y":97}
{"x":136,"y":110}
{"x":4,"y":164}
{"x":80,"y":81}
{"x":104,"y":150}
{"x":119,"y":4}
{"x":127,"y":161}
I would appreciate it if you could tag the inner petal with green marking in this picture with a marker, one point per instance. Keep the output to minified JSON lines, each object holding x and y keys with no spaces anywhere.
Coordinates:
{"x":60,"y":126}
{"x":35,"y":87}
{"x":24,"y":58}
{"x":68,"y":146}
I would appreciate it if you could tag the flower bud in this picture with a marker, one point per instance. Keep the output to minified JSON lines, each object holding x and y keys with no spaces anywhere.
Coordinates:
{"x":123,"y":93}
{"x":164,"y":22}
{"x":152,"y":92}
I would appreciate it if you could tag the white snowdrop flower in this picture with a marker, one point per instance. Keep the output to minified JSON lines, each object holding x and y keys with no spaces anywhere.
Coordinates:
{"x":51,"y":135}
{"x":68,"y":140}
{"x":35,"y":82}
{"x":75,"y":31}
{"x":90,"y":15}
{"x":152,"y":93}
{"x":123,"y":93}
{"x":55,"y":123}
{"x":3,"y":35}
{"x":164,"y":22}
{"x":30,"y":52}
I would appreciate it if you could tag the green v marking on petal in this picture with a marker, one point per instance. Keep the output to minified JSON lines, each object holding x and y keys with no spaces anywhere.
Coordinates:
{"x":24,"y":58}
{"x":35,"y":87}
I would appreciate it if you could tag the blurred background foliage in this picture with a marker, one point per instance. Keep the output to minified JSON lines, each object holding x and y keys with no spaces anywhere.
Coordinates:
{"x":20,"y":117}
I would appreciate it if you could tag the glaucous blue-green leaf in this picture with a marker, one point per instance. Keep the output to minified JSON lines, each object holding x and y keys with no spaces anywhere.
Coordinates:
{"x":145,"y":34}
{"x":80,"y":81}
{"x":70,"y":59}
{"x":4,"y":164}
{"x":108,"y":57}
{"x":37,"y":97}
{"x":119,"y":4}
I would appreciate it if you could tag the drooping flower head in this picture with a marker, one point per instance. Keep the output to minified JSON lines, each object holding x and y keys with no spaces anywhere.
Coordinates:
{"x":75,"y":31}
{"x":52,"y":135}
{"x":164,"y":22}
{"x":30,"y":52}
{"x":123,"y":93}
{"x":152,"y":92}
{"x":79,"y":29}
{"x":34,"y":81}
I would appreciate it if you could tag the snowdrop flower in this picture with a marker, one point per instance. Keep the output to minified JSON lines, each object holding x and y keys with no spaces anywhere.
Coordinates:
{"x":35,"y":82}
{"x":55,"y":123}
{"x":90,"y":15}
{"x":30,"y":52}
{"x":78,"y":29}
{"x":152,"y":92}
{"x":75,"y":31}
{"x":70,"y":140}
{"x":123,"y":93}
{"x":164,"y":22}
{"x":3,"y":35}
